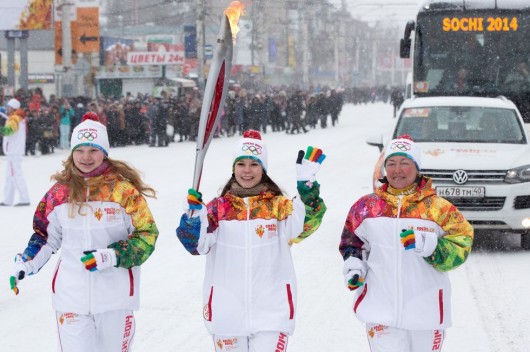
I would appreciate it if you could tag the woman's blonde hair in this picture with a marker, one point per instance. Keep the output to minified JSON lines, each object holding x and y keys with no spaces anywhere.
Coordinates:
{"x":77,"y":185}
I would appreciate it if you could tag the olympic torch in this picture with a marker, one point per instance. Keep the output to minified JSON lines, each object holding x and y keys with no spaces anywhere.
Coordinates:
{"x":214,"y":96}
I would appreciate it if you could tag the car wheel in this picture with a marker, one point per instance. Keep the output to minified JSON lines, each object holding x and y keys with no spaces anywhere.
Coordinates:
{"x":525,"y":240}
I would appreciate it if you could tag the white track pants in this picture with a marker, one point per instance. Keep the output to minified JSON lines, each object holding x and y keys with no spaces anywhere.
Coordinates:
{"x":384,"y":339}
{"x":267,"y":341}
{"x":106,"y":332}
{"x":15,"y":181}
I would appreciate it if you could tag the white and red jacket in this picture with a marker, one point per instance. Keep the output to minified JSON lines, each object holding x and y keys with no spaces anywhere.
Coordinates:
{"x":115,"y":216}
{"x":250,"y":282}
{"x":403,"y":289}
{"x":14,"y":132}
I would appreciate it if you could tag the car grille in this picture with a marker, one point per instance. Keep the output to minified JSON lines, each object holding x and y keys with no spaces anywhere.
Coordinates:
{"x":474,"y":175}
{"x":478,"y":204}
{"x":521,"y":202}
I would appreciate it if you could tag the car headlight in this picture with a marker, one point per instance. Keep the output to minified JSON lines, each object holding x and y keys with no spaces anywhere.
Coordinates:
{"x":518,"y":175}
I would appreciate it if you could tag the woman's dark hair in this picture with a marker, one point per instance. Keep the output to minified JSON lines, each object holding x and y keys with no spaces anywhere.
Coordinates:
{"x":265,"y":179}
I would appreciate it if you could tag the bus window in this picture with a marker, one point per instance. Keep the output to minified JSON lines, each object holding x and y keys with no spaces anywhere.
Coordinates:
{"x":490,"y":44}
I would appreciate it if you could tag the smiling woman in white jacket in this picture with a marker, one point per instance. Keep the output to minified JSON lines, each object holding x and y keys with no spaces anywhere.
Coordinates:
{"x":246,"y":233}
{"x":98,"y":218}
{"x":397,"y":245}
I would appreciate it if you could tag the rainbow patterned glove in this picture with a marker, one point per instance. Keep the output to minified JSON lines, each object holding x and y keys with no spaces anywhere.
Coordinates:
{"x":423,"y":242}
{"x":194,"y":199}
{"x":20,"y":270}
{"x":308,"y":164}
{"x":99,"y":259}
{"x":354,"y":272}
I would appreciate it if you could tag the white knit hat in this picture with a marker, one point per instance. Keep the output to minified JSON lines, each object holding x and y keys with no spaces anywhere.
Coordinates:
{"x":252,"y":147}
{"x":404,"y":146}
{"x":14,"y":104}
{"x":90,"y":132}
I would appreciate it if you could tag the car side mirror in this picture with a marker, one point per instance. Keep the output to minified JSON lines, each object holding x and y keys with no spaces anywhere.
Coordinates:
{"x":376,"y":141}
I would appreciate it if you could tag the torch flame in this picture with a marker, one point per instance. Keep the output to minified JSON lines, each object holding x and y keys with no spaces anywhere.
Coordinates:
{"x":233,"y":12}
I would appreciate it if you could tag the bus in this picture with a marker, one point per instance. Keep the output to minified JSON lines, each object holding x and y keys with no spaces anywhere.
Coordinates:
{"x":471,"y":47}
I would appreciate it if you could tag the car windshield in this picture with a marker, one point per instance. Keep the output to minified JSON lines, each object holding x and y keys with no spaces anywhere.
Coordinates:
{"x":461,"y":124}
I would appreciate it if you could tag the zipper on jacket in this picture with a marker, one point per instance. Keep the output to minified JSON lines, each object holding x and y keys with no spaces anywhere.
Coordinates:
{"x":248,"y":269}
{"x":399,"y":302}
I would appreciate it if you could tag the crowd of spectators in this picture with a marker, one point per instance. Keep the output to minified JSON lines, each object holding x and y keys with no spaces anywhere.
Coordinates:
{"x":159,"y":120}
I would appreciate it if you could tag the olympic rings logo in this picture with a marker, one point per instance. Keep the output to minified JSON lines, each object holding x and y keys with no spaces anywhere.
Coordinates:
{"x":87,"y":136}
{"x":402,"y":146}
{"x":252,"y":149}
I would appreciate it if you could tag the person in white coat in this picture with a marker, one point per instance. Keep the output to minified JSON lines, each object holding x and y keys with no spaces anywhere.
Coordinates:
{"x":14,"y":146}
{"x":398,"y":244}
{"x":96,"y":214}
{"x":246,"y":234}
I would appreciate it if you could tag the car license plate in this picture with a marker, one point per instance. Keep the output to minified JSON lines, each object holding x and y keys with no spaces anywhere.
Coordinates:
{"x":461,"y":192}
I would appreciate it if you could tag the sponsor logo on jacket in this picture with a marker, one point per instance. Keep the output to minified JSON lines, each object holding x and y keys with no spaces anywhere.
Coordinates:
{"x":227,"y":344}
{"x":98,"y":214}
{"x":424,"y":229}
{"x":67,"y":318}
{"x":271,"y":230}
{"x":113,"y":213}
{"x":377,"y":330}
{"x":260,"y":231}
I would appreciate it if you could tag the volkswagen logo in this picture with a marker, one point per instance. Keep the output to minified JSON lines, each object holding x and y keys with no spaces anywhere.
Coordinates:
{"x":460,"y":177}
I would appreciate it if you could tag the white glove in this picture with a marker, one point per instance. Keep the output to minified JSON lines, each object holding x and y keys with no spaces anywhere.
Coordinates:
{"x":423,"y":242}
{"x":308,"y":163}
{"x":99,"y":259}
{"x":20,"y":270}
{"x":354,"y":272}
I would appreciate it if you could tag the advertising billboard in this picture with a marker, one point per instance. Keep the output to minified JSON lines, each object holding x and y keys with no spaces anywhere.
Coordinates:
{"x":26,"y":14}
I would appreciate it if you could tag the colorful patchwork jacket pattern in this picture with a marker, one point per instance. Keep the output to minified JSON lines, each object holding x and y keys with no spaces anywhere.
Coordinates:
{"x":403,"y":289}
{"x":14,"y":132}
{"x":115,"y":216}
{"x":250,"y":283}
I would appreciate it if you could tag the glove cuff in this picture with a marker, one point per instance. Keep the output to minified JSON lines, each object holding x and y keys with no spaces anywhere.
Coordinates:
{"x":429,"y":241}
{"x":354,"y":263}
{"x":113,"y":257}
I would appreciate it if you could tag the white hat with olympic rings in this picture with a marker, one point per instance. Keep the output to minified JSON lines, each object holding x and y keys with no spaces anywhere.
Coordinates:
{"x":404,"y":146}
{"x":251,"y":147}
{"x":90,"y":132}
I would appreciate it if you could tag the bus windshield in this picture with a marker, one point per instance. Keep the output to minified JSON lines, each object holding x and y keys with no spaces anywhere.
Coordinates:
{"x":481,"y":52}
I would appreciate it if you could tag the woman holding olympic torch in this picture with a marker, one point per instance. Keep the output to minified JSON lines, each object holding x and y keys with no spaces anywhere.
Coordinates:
{"x":246,"y":233}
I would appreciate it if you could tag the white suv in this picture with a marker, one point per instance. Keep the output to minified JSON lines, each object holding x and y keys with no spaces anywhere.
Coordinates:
{"x":477,"y":152}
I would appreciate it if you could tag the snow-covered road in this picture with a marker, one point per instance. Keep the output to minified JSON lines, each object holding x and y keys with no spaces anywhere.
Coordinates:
{"x":491,"y":308}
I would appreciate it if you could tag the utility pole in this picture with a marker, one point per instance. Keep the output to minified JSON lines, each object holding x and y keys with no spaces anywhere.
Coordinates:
{"x":200,"y":38}
{"x":252,"y":32}
{"x":305,"y":44}
{"x":68,"y":79}
{"x":336,"y":53}
{"x":11,"y":62}
{"x":23,"y":42}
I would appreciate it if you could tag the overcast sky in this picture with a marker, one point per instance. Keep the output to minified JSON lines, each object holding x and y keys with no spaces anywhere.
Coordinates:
{"x":371,"y":11}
